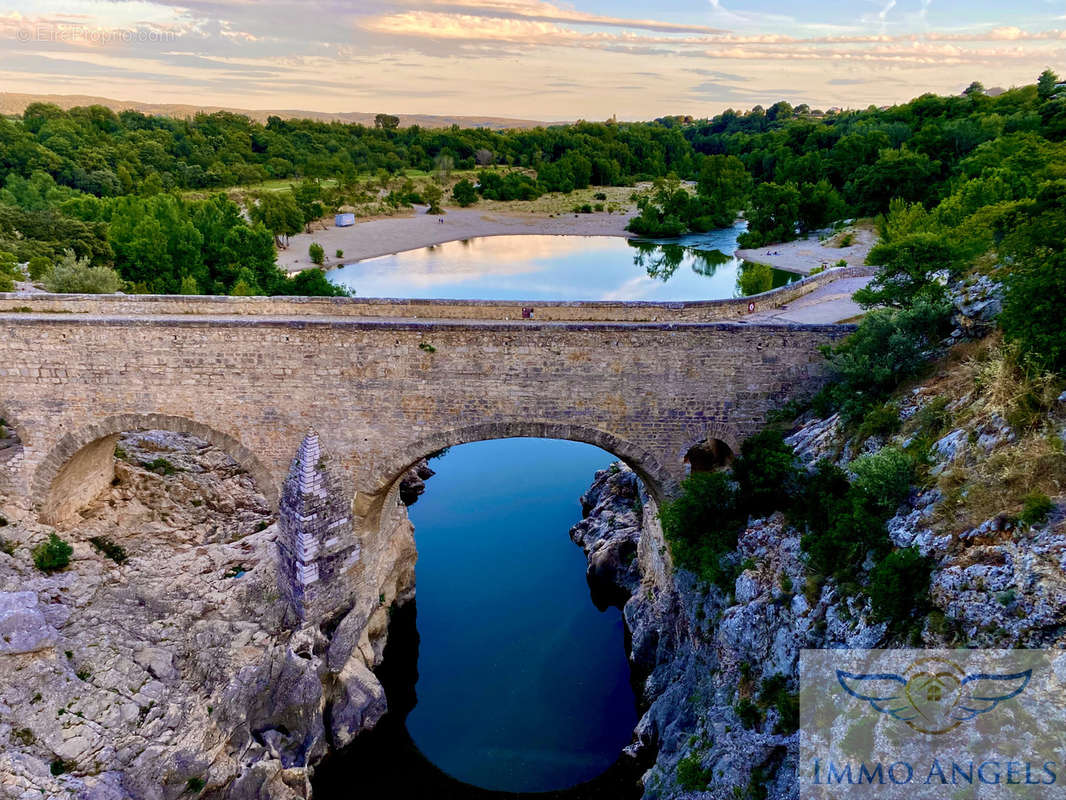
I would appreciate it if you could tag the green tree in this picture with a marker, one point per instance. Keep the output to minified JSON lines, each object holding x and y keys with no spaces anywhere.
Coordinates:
{"x":723,"y":187}
{"x":1045,"y":84}
{"x":899,"y":586}
{"x":433,"y":194}
{"x":773,"y":215}
{"x":464,"y":193}
{"x":317,"y":253}
{"x":279,"y":213}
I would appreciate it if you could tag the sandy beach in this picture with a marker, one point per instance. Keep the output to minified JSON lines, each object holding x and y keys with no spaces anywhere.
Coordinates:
{"x":803,"y":255}
{"x":379,"y":237}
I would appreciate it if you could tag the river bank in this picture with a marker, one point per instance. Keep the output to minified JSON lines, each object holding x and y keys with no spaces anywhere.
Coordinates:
{"x":380,"y":237}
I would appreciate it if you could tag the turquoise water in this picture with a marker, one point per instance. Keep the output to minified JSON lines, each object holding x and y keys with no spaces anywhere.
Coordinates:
{"x":695,"y":267}
{"x":522,"y":684}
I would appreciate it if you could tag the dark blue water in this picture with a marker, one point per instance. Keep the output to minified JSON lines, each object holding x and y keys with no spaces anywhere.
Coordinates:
{"x":523,"y":685}
{"x":694,"y":267}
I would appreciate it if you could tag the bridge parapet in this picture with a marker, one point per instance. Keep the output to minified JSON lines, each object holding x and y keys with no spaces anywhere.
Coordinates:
{"x":386,"y":308}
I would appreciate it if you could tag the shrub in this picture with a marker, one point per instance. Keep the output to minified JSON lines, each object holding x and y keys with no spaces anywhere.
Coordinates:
{"x":839,"y":523}
{"x":885,"y":477}
{"x":7,"y":546}
{"x":160,"y":466}
{"x":899,"y":585}
{"x":748,"y":712}
{"x":1036,"y":508}
{"x":115,"y":552}
{"x":774,"y":693}
{"x":317,"y":253}
{"x":702,"y":523}
{"x":53,"y":555}
{"x":888,"y":347}
{"x":195,"y":785}
{"x":340,"y":253}
{"x":600,"y":196}
{"x":692,"y":776}
{"x":880,"y":421}
{"x":38,"y":267}
{"x":75,"y":276}
{"x":766,"y":471}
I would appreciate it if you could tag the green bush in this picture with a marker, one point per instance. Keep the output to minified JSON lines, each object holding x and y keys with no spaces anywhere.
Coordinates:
{"x":340,"y":253}
{"x":464,"y":193}
{"x":766,"y":471}
{"x":38,"y":267}
{"x":881,"y":421}
{"x":885,"y":477}
{"x":160,"y":466}
{"x":839,"y":524}
{"x":774,"y":694}
{"x":899,"y":586}
{"x":702,"y":523}
{"x":888,"y":347}
{"x":115,"y":552}
{"x":317,"y":253}
{"x":53,"y":555}
{"x":692,"y":776}
{"x":1036,"y":508}
{"x":75,"y":276}
{"x":748,"y":712}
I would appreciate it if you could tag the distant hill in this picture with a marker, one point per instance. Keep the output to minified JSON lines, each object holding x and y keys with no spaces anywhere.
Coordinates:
{"x":13,"y":103}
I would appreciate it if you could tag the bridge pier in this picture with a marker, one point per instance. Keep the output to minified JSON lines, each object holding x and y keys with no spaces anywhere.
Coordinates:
{"x":314,"y":534}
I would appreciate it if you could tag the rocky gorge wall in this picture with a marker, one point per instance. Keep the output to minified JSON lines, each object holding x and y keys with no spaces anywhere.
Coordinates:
{"x":180,"y":670}
{"x":717,"y":670}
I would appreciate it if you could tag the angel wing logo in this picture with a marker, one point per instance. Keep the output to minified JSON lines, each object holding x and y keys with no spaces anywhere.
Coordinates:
{"x":934,"y":695}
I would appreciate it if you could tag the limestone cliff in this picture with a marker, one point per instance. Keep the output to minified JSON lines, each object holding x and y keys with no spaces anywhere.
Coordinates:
{"x":717,"y":669}
{"x":172,"y":665}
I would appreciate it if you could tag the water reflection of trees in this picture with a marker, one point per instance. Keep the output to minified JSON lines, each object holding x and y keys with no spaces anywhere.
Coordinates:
{"x":707,"y":262}
{"x":659,"y":261}
{"x":753,"y":278}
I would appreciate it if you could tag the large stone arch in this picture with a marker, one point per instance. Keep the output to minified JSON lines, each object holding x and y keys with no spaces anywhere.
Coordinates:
{"x":79,"y":464}
{"x":660,"y":481}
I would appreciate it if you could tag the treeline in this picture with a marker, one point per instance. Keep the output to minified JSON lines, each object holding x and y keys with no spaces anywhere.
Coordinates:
{"x":99,"y":152}
{"x":806,"y":170}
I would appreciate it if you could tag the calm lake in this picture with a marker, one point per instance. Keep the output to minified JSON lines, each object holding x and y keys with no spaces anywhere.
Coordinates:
{"x":694,"y":267}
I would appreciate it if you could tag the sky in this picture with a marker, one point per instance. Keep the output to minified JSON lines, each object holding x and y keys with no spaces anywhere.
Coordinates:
{"x":535,"y":59}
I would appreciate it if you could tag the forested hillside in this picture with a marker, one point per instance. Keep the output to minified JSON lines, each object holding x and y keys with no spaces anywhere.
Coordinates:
{"x":954,"y":175}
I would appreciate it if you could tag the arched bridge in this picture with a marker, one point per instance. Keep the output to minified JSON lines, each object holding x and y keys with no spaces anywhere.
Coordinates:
{"x":381,"y":391}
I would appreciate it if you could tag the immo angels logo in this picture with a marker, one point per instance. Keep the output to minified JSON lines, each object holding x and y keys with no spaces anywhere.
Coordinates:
{"x":934,"y":695}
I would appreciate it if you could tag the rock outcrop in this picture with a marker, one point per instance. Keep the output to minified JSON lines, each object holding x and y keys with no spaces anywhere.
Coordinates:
{"x":172,"y":665}
{"x":717,"y":669}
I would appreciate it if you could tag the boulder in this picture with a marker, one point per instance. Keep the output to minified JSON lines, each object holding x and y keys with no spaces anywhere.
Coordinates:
{"x":23,"y":627}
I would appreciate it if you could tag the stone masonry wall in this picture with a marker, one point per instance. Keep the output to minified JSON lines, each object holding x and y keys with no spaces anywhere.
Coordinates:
{"x":383,"y":394}
{"x":543,"y":311}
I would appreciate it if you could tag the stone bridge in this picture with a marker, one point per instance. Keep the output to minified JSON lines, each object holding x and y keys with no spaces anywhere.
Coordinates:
{"x":381,"y":391}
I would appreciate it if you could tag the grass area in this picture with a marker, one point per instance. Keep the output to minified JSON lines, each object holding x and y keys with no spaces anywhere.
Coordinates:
{"x":616,"y":199}
{"x":981,"y":388}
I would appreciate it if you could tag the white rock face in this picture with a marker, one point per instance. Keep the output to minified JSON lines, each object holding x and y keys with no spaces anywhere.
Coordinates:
{"x":23,"y":627}
{"x":178,"y":664}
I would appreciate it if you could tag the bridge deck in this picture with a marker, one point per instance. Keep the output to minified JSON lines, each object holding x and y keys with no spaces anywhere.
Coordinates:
{"x":460,"y":311}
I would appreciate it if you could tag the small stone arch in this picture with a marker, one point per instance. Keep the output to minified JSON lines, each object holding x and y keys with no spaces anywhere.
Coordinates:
{"x":84,"y":456}
{"x":658,"y":480}
{"x":714,"y":448}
